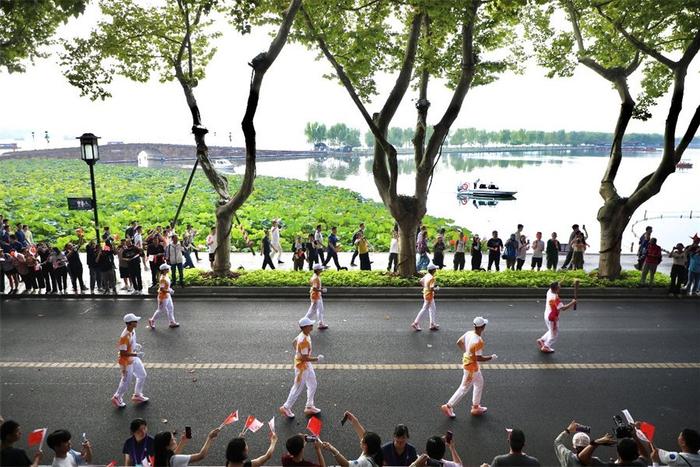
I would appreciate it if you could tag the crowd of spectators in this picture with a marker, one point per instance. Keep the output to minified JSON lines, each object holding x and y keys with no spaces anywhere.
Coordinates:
{"x":572,"y":447}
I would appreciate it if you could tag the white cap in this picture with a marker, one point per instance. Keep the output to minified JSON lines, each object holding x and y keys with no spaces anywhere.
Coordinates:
{"x":668,"y":457}
{"x":431,"y":266}
{"x":479,"y":321}
{"x":318,"y":267}
{"x":130,"y":317}
{"x":306,"y":322}
{"x":581,"y":440}
{"x":164,"y":267}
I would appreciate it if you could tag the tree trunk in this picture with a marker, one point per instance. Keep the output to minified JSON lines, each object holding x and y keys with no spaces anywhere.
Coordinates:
{"x":408,"y":228}
{"x":222,"y":261}
{"x":613,"y":217}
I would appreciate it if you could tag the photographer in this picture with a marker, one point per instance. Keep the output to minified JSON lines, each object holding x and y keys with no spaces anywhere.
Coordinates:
{"x":370,"y":442}
{"x":237,"y":453}
{"x":689,"y":444}
{"x":580,"y":440}
{"x":167,"y":450}
{"x":435,"y":453}
{"x":628,"y":451}
{"x":295,"y":452}
{"x":516,"y":456}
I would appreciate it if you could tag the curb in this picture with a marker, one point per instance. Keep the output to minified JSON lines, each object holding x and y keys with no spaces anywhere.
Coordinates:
{"x":377,"y":293}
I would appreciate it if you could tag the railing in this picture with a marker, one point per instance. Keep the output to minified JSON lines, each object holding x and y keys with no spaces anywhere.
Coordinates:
{"x":661,"y":215}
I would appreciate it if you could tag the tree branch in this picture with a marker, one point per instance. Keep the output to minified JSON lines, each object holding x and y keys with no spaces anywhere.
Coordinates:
{"x":689,"y":134}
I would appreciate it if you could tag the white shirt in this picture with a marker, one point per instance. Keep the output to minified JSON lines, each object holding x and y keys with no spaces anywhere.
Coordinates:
{"x":318,"y":238}
{"x":72,"y":459}
{"x":449,"y":463}
{"x":275,"y":233}
{"x":211,"y":243}
{"x":180,"y":460}
{"x":362,"y":461}
{"x":138,"y":239}
{"x":394,"y":246}
{"x":537,"y":248}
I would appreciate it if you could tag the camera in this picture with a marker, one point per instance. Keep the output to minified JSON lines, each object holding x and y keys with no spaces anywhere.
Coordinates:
{"x":310,"y":439}
{"x":622,"y":428}
{"x":433,"y":463}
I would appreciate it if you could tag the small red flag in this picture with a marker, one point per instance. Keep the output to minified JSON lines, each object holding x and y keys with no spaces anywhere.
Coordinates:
{"x":648,"y":429}
{"x":253,"y":424}
{"x":36,"y":437}
{"x":112,"y":464}
{"x":233,"y":417}
{"x":314,"y":426}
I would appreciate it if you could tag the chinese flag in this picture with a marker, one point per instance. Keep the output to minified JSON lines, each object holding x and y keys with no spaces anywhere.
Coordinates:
{"x":233,"y":417}
{"x":112,"y":464}
{"x":253,"y":424}
{"x":36,"y":437}
{"x":314,"y":426}
{"x":648,"y":429}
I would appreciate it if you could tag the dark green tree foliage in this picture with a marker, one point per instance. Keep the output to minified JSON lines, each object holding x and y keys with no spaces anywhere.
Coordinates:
{"x":28,"y":25}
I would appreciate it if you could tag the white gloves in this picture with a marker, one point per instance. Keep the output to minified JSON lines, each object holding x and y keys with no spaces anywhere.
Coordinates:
{"x":171,"y":291}
{"x":494,"y":356}
{"x":320,"y":358}
{"x":138,"y":348}
{"x":324,"y":290}
{"x":437,"y":287}
{"x":140,"y":354}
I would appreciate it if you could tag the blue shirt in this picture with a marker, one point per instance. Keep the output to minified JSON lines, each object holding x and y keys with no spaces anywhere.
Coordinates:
{"x":391,"y":457}
{"x":332,"y":241}
{"x":137,"y":451}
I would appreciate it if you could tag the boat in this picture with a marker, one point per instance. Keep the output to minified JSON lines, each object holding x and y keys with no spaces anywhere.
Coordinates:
{"x":222,"y":164}
{"x":684,"y":165}
{"x":483,"y":191}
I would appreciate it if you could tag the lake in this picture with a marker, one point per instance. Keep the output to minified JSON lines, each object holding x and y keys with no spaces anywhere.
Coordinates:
{"x":554,"y":190}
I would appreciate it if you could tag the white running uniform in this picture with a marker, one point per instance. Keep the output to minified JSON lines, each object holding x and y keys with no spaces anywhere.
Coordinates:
{"x":551,"y":319}
{"x":165,"y":300}
{"x":304,"y":374}
{"x":428,"y":283}
{"x":316,"y":296}
{"x":130,"y":366}
{"x":473,"y":344}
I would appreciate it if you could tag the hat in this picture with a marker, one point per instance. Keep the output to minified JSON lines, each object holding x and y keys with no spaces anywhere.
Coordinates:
{"x":130,"y":318}
{"x":164,"y":267}
{"x":431,"y":266}
{"x":581,"y":440}
{"x":479,"y":321}
{"x":318,"y":267}
{"x":306,"y":322}
{"x":668,"y":457}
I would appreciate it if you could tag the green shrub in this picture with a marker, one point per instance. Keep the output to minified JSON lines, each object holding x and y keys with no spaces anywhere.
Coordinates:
{"x":532,"y":279}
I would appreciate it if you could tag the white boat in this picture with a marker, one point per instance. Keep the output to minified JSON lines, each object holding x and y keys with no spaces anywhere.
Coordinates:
{"x":222,"y":163}
{"x":483,"y":190}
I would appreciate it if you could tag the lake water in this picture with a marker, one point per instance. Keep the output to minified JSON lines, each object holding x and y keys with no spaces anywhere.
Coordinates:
{"x":554,"y":191}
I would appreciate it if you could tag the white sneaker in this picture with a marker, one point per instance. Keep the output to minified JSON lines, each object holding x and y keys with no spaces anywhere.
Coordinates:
{"x":118,"y":402}
{"x":311,"y":410}
{"x":139,"y":398}
{"x":286,"y":412}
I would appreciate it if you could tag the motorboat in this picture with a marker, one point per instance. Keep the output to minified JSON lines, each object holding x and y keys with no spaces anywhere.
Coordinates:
{"x":483,"y":191}
{"x":684,"y":165}
{"x":222,"y":164}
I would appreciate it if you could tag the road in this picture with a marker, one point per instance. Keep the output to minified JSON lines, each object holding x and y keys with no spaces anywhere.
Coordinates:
{"x":236,"y":355}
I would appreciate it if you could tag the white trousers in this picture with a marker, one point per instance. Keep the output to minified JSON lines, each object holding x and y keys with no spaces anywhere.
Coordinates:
{"x":135,"y":369}
{"x":277,"y":249}
{"x":552,"y":335}
{"x":477,"y":380}
{"x":316,"y":309}
{"x":306,"y":377}
{"x":165,"y":306}
{"x":429,"y":307}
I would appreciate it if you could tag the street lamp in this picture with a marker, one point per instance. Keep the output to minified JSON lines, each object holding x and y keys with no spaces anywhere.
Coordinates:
{"x":90,"y":153}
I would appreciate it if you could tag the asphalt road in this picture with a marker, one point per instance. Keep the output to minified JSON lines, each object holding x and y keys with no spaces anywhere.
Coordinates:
{"x":536,"y":392}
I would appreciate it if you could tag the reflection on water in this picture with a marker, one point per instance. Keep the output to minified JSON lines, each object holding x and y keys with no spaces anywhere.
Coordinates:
{"x":336,"y":168}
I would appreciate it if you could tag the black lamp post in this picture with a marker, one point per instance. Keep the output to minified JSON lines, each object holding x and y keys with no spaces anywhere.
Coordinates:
{"x":90,"y":153}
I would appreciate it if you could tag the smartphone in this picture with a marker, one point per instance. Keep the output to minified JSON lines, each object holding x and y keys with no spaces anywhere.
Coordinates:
{"x":345,"y":419}
{"x":448,"y":437}
{"x":310,"y":439}
{"x":84,"y":438}
{"x":188,"y":432}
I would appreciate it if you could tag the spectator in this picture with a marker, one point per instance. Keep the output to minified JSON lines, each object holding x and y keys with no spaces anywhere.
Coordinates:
{"x":361,"y":229}
{"x":132,"y":255}
{"x":553,"y":247}
{"x":295,"y":453}
{"x":370,"y":443}
{"x":332,"y":250}
{"x":123,"y":267}
{"x":516,"y":456}
{"x":59,"y":441}
{"x":10,"y":434}
{"x":140,"y":445}
{"x":9,"y":271}
{"x":20,"y":262}
{"x":174,"y":257}
{"x":166,"y":450}
{"x":422,"y":249}
{"x":188,"y":247}
{"x":363,"y":247}
{"x":458,"y":260}
{"x":651,"y":261}
{"x":59,"y":263}
{"x":523,"y":246}
{"x":298,"y":254}
{"x":519,"y":231}
{"x":275,"y":240}
{"x":399,"y":451}
{"x":156,"y":257}
{"x":495,"y":246}
{"x":642,"y":250}
{"x":627,"y":451}
{"x":192,"y":233}
{"x":75,"y":268}
{"x":212,"y":245}
{"x":439,"y":249}
{"x":130,"y":231}
{"x":266,"y":249}
{"x":476,"y":253}
{"x":105,"y":263}
{"x":107,"y":235}
{"x":678,"y":270}
{"x":21,"y":238}
{"x":34,"y":278}
{"x":537,"y":249}
{"x":393,"y":250}
{"x":578,"y":247}
{"x":318,"y":243}
{"x":689,"y":444}
{"x":511,"y":251}
{"x":435,"y":453}
{"x":574,"y":233}
{"x":92,"y":250}
{"x":44,"y":253}
{"x":237,"y":453}
{"x":566,"y":457}
{"x":311,"y":256}
{"x":693,"y":284}
{"x":29,"y":237}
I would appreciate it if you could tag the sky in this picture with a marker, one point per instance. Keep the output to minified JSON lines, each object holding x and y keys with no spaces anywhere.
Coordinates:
{"x":293,"y":93}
